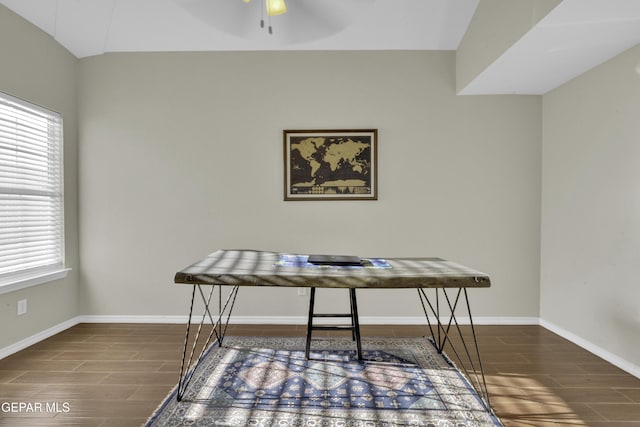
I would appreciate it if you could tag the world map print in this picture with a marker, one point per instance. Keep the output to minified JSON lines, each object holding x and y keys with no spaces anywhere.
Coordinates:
{"x":330,"y":165}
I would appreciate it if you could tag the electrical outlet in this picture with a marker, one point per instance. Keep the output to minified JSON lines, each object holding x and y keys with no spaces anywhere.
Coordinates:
{"x":22,"y":307}
{"x":302,"y":292}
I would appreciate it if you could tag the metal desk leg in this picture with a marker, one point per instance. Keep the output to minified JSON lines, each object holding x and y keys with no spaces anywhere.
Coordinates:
{"x":188,"y":365}
{"x":441,"y":337}
{"x":312,"y":301}
{"x":356,"y":322}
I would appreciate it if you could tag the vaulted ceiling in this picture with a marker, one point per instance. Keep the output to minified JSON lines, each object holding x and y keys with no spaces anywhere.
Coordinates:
{"x":574,"y":37}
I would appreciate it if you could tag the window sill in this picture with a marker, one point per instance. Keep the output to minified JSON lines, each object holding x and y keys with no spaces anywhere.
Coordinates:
{"x":16,"y":283}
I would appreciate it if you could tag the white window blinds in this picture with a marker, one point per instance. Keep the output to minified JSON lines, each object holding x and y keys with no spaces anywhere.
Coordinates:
{"x":31,"y":196}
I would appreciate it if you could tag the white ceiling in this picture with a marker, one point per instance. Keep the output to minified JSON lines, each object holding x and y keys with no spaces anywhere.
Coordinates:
{"x":573,"y":38}
{"x":576,"y":36}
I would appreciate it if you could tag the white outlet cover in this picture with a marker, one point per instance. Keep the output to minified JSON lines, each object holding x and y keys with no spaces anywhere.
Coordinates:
{"x":22,"y":307}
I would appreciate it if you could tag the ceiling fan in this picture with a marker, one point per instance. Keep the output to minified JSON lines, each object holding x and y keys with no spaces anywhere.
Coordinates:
{"x":304,"y":20}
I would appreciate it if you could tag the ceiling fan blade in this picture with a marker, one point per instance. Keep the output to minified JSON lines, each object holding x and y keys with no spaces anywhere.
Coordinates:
{"x":230,"y":16}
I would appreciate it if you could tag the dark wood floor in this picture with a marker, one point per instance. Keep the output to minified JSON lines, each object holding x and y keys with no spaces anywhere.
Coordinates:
{"x":117,"y":374}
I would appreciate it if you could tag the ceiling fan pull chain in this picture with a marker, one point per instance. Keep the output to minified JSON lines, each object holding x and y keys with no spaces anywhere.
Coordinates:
{"x":262,"y":6}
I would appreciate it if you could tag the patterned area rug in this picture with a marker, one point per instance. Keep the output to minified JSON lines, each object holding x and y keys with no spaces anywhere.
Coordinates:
{"x":266,"y":381}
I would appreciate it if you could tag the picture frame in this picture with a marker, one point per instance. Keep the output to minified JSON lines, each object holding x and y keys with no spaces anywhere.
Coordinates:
{"x":337,"y":164}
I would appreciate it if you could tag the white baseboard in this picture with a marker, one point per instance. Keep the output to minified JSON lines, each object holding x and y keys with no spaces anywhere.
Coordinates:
{"x":40,"y":336}
{"x":302,"y":320}
{"x":133,"y":319}
{"x":592,"y":348}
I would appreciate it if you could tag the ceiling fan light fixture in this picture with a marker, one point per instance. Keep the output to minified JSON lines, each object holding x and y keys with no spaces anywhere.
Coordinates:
{"x":276,"y":7}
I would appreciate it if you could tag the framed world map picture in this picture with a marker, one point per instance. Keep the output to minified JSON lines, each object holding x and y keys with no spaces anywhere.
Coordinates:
{"x":330,"y":164}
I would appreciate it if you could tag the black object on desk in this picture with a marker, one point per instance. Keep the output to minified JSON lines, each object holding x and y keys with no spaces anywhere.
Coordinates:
{"x":340,"y":260}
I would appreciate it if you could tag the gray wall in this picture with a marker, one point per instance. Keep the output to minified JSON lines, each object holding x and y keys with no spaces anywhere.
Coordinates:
{"x":591,"y":207}
{"x":181,"y":154}
{"x":39,"y":70}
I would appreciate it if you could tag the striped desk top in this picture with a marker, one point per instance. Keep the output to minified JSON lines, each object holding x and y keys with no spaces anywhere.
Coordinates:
{"x":261,"y":268}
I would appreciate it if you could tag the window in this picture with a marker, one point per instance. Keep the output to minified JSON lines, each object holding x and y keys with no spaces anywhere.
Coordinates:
{"x":31,"y":196}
